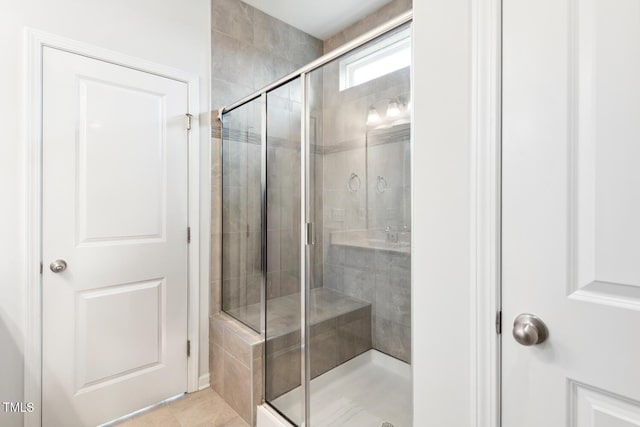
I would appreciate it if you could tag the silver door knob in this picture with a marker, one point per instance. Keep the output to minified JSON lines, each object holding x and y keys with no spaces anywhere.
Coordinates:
{"x":529,"y":329}
{"x":58,"y":266}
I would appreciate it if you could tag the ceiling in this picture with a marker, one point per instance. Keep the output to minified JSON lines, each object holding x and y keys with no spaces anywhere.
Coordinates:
{"x":320,"y":18}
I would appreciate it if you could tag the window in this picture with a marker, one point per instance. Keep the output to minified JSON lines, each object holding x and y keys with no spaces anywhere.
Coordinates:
{"x":382,"y":57}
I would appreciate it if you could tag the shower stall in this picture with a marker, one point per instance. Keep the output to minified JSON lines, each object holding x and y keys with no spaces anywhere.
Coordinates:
{"x":316,"y":232}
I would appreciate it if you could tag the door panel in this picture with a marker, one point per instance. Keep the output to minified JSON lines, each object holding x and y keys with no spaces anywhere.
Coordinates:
{"x":604,"y":149}
{"x":571,"y":102}
{"x":594,"y":408}
{"x":104,"y":148}
{"x":115,"y":209}
{"x":140,"y":329}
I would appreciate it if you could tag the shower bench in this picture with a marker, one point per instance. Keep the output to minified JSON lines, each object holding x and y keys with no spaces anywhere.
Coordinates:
{"x":340,"y":329}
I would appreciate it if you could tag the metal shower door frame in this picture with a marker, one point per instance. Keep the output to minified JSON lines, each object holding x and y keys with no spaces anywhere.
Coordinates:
{"x":306,"y":224}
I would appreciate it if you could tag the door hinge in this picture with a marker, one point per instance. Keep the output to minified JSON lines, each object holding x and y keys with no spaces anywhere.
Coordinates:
{"x":188,"y":348}
{"x":189,"y":117}
{"x":41,"y":267}
{"x":188,"y":234}
{"x":311,"y":234}
{"x":499,"y":322}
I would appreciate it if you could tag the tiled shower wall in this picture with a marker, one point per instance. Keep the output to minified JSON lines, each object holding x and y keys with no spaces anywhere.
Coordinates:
{"x":350,"y":149}
{"x":250,"y":49}
{"x":380,"y":277}
{"x":369,"y":22}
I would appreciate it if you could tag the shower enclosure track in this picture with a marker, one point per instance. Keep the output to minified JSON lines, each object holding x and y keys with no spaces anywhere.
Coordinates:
{"x":346,"y":48}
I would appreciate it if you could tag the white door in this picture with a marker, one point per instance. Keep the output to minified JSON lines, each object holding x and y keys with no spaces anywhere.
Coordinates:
{"x":115,"y":210}
{"x":571,"y":211}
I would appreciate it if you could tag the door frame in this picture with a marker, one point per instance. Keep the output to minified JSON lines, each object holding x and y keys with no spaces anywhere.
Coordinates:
{"x":35,"y":42}
{"x":486,"y":207}
{"x":456,"y":286}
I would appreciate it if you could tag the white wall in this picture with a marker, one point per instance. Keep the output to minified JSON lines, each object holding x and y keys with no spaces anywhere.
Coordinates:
{"x":442,"y":238}
{"x":170,"y":32}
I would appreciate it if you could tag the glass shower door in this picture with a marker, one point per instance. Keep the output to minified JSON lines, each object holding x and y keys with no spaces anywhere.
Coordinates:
{"x":283,"y":345}
{"x":241,"y":218}
{"x":358,"y":269}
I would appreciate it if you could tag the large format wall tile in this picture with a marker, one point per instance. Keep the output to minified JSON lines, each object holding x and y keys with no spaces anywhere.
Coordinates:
{"x":236,"y":364}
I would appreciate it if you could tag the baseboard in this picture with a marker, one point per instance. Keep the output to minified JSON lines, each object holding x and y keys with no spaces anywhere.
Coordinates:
{"x":204,"y":381}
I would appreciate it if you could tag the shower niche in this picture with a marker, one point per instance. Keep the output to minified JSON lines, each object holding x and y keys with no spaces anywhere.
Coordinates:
{"x":316,"y":235}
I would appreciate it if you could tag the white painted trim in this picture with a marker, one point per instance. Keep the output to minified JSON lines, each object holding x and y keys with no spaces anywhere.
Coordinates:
{"x":485,"y":177}
{"x":204,"y":382}
{"x":193,"y":322}
{"x":35,"y":41}
{"x":33,"y":237}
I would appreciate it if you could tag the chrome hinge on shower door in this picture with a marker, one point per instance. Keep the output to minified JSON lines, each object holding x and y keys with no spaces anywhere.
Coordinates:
{"x":311,"y":234}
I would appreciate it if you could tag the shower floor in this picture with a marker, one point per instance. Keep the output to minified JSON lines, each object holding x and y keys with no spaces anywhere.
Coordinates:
{"x":366,"y":391}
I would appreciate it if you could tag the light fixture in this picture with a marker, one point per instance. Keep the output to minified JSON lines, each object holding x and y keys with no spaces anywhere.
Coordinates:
{"x":393,"y":110}
{"x":373,"y":117}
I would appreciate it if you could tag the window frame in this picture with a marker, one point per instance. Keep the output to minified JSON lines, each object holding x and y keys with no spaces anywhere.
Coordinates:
{"x":375,"y":53}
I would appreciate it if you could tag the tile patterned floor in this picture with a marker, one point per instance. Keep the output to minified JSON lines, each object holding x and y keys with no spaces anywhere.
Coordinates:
{"x":202,"y":409}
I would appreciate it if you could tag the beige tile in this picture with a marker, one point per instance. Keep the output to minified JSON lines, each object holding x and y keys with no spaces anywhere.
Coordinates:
{"x":237,"y":386}
{"x":216,"y":331}
{"x":257,"y":385}
{"x":202,"y":408}
{"x":256,"y":349}
{"x":245,"y":333}
{"x":234,"y":422}
{"x":193,"y":399}
{"x":235,"y":327}
{"x":236,"y":347}
{"x":216,"y":355}
{"x":215,"y":297}
{"x":216,"y":258}
{"x":160,"y":417}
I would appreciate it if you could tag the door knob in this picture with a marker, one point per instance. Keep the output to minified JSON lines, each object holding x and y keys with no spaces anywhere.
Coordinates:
{"x":529,"y":330}
{"x":58,"y":266}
